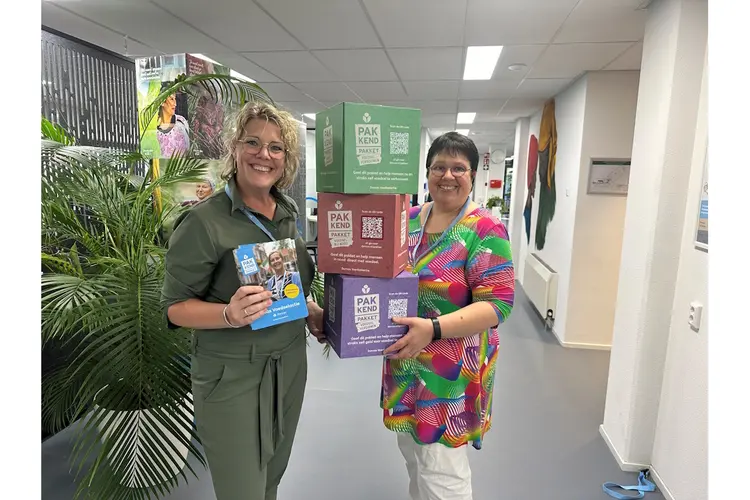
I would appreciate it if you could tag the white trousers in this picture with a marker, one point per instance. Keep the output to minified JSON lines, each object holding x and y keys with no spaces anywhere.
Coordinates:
{"x":436,"y":472}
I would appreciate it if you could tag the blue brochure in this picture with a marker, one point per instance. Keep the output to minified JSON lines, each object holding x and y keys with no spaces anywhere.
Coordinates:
{"x":273,"y":265}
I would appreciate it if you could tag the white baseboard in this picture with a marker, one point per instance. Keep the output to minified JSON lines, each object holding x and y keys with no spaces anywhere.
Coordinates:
{"x":625,"y":466}
{"x":581,"y":345}
{"x":660,"y":484}
{"x":633,"y":467}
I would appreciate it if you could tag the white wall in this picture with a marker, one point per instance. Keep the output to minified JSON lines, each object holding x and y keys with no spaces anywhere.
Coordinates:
{"x":671,"y":74}
{"x":680,"y":453}
{"x":424,"y":146}
{"x":609,"y":120}
{"x":496,"y":171}
{"x":527,"y":243}
{"x":558,"y":249}
{"x":518,"y":194}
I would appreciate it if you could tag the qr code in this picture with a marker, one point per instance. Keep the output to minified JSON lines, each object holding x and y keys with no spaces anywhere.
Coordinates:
{"x":399,"y":143}
{"x":397,"y":308}
{"x":372,"y":228}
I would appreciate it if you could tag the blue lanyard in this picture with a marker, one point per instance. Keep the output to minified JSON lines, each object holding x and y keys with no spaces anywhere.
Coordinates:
{"x":644,"y":484}
{"x":250,"y":215}
{"x":414,"y":257}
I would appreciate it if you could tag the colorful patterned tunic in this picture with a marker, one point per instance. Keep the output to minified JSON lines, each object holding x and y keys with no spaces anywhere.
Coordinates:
{"x":445,"y":394}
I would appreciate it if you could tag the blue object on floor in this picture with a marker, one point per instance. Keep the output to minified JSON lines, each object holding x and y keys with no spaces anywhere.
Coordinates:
{"x":644,"y":484}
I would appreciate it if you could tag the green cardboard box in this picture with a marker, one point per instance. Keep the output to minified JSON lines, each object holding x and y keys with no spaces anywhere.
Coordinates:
{"x":366,"y":149}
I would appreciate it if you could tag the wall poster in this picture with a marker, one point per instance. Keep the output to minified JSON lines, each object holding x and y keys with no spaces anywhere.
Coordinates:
{"x":701,"y":233}
{"x":609,"y":176}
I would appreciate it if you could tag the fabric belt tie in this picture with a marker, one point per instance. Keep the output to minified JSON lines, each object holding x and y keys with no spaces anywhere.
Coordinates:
{"x":271,"y":416}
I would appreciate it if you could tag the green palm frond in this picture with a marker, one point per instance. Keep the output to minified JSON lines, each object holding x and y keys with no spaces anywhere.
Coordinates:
{"x":55,"y":132}
{"x":225,"y":89}
{"x":317,"y":291}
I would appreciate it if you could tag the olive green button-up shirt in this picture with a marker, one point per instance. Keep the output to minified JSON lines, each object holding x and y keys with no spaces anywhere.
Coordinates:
{"x":200,"y":264}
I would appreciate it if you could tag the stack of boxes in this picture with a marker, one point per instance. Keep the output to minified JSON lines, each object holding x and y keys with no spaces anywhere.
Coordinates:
{"x":367,"y":163}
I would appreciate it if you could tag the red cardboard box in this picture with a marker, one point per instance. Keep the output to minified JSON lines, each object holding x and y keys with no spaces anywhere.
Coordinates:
{"x":363,"y":234}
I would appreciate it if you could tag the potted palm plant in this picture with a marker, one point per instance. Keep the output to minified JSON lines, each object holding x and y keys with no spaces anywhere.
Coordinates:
{"x":127,"y":381}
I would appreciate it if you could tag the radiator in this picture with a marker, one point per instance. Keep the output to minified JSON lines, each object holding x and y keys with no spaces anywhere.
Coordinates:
{"x":540,"y":285}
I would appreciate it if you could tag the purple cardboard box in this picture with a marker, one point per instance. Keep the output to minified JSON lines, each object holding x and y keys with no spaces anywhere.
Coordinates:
{"x":358,"y":312}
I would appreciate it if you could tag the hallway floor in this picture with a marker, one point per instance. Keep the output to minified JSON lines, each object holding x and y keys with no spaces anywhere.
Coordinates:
{"x":544,"y":444}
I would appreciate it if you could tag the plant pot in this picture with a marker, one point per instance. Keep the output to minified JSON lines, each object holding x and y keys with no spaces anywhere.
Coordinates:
{"x":175,"y":454}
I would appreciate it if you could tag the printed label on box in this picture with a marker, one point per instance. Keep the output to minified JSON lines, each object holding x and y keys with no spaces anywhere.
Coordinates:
{"x":332,"y":304}
{"x":367,"y":310}
{"x":340,"y":227}
{"x":369,"y":142}
{"x":328,"y":142}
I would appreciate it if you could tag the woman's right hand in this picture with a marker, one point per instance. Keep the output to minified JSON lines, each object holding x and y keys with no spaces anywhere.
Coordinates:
{"x":248,"y":304}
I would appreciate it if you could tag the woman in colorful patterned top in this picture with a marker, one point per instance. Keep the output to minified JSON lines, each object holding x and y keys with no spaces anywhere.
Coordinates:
{"x":438,"y":378}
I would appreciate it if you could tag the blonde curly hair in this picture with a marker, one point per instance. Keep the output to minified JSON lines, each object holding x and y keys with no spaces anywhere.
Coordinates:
{"x":289,"y":136}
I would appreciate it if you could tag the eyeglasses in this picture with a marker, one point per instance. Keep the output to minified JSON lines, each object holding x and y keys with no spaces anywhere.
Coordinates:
{"x":253,"y":145}
{"x":440,"y":170}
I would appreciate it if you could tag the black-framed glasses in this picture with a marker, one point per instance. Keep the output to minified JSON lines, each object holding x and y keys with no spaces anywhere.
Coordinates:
{"x":456,"y":170}
{"x":253,"y":145}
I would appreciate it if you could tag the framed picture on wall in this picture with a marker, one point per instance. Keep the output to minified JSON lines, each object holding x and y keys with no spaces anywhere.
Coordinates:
{"x":609,"y":176}
{"x":701,"y":232}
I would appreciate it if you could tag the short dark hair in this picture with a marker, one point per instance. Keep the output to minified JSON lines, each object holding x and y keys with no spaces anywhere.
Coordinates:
{"x":455,"y":144}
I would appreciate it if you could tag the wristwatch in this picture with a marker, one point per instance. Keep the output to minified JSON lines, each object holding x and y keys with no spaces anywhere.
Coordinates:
{"x":436,"y":333}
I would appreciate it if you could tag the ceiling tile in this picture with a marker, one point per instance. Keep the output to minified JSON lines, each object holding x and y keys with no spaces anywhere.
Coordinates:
{"x":427,"y":107}
{"x":293,"y":66}
{"x":595,"y":21}
{"x":628,"y":60}
{"x":241,"y":26}
{"x":378,"y":91}
{"x":541,"y":88}
{"x":428,"y":64}
{"x":570,"y":60}
{"x":480,"y":105}
{"x":512,"y":22}
{"x":327,"y":91}
{"x":363,"y":65}
{"x":486,"y":89}
{"x":283,"y":92}
{"x":446,"y":120}
{"x":67,"y":22}
{"x":432,"y":90}
{"x":318,"y":24}
{"x":523,"y":106}
{"x":148,"y":23}
{"x":241,"y":64}
{"x":418,"y":23}
{"x":516,"y":54}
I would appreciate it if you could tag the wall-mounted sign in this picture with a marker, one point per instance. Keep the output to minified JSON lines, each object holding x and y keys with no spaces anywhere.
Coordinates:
{"x":609,"y":176}
{"x":701,"y":233}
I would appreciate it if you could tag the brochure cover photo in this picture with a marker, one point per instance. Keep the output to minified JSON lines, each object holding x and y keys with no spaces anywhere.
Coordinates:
{"x":273,"y":265}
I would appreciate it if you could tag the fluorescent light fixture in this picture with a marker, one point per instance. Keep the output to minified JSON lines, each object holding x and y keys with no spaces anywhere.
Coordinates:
{"x":466,"y":118}
{"x":240,"y":76}
{"x":310,"y":116}
{"x":481,"y":62}
{"x":205,"y":58}
{"x":463,"y":131}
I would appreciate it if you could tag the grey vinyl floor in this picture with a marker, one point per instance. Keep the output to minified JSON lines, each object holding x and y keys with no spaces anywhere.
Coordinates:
{"x":544,"y":444}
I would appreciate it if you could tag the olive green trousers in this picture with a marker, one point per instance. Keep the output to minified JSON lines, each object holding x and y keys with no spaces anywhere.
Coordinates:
{"x":247,"y":406}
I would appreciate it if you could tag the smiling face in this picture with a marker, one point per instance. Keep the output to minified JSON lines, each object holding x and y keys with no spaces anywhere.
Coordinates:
{"x":258,"y":163}
{"x":276,"y":262}
{"x":450,"y":180}
{"x":170,"y":104}
{"x":202,"y":190}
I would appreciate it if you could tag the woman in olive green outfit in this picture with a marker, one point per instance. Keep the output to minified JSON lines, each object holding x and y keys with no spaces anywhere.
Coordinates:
{"x":248,"y":385}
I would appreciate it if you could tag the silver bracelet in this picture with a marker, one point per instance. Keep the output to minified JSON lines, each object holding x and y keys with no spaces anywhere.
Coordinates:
{"x":226,"y":320}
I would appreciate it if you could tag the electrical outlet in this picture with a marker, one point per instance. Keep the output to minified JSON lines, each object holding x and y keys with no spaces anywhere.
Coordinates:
{"x":694,"y":318}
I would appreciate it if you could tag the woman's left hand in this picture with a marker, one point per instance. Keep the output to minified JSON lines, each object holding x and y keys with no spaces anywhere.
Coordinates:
{"x":315,"y":321}
{"x":417,"y":338}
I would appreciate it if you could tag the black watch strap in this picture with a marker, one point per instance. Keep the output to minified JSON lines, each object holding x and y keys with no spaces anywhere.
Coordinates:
{"x":436,"y":333}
